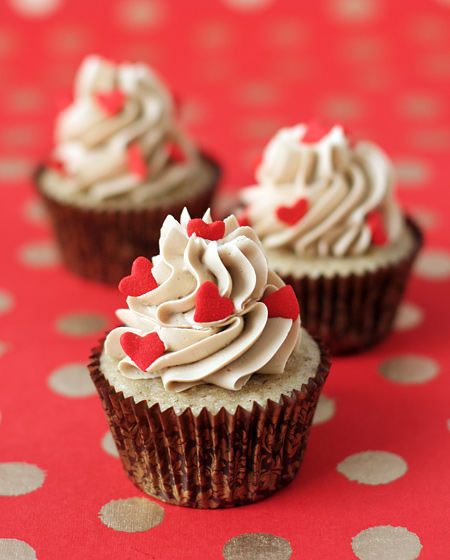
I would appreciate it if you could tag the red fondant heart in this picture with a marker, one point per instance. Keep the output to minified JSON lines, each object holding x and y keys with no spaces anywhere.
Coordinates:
{"x":212,"y":232}
{"x":111,"y":102}
{"x":58,"y":166}
{"x":243,"y":220}
{"x":143,"y":350}
{"x":140,"y":281}
{"x":210,"y":306}
{"x":282,"y":303}
{"x":136,"y":162}
{"x":292,"y":214}
{"x":376,"y":225}
{"x":315,"y":132}
{"x":175,"y":153}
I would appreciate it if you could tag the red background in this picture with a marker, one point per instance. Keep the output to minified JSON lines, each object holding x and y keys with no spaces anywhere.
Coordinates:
{"x":242,"y":69}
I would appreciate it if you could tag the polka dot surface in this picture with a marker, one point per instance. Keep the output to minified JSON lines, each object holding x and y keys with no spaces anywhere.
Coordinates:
{"x":132,"y":515}
{"x":247,"y":4}
{"x":20,"y":478}
{"x":72,"y":380}
{"x":354,"y":11}
{"x":373,"y":467}
{"x":408,"y":317}
{"x":140,"y":14}
{"x":80,"y":323}
{"x":109,"y":445}
{"x":325,"y":410}
{"x":36,"y":8}
{"x":412,"y":172}
{"x":13,"y":549}
{"x":433,"y":264}
{"x":6,"y":301}
{"x":40,"y":254}
{"x":257,"y":546}
{"x":386,"y":543}
{"x":14,"y":169}
{"x":409,"y":369}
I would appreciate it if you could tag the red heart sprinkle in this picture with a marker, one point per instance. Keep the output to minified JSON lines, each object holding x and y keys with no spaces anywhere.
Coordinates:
{"x":376,"y":225}
{"x":111,"y":102}
{"x":58,"y":166}
{"x":212,"y":232}
{"x":136,"y":162}
{"x":143,"y":350}
{"x":175,"y":153}
{"x":282,"y":303}
{"x":243,"y":220}
{"x":210,"y":306}
{"x":290,"y":215}
{"x":315,"y":132}
{"x":140,"y":281}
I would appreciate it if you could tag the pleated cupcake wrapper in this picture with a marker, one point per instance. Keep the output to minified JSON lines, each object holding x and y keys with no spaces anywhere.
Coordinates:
{"x":102,"y":245}
{"x":351,"y":313}
{"x":211,"y":461}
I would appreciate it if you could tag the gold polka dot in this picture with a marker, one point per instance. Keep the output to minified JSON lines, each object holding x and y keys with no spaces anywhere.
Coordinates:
{"x":213,"y":34}
{"x":132,"y":515}
{"x":20,"y":478}
{"x":6,"y":301}
{"x":425,"y":217}
{"x":418,"y":106}
{"x":41,"y":254}
{"x":286,"y":33}
{"x":20,"y":135}
{"x":13,"y":549}
{"x":428,"y":29}
{"x":15,"y":169}
{"x":325,"y":410}
{"x":363,"y":49}
{"x":373,"y":467}
{"x":437,"y":139}
{"x":8,"y":42}
{"x":3,"y":348}
{"x":433,"y":264}
{"x":408,"y":316}
{"x":412,"y":172}
{"x":256,"y":93}
{"x":35,"y":212}
{"x":80,"y":324}
{"x":341,"y":107}
{"x":353,"y":10}
{"x":386,"y":542}
{"x":257,"y":546}
{"x":72,"y":380}
{"x":68,"y":40}
{"x":109,"y":445}
{"x":248,"y":4}
{"x":140,"y":14}
{"x":36,"y":8}
{"x":26,"y":99}
{"x":409,"y":369}
{"x":259,"y":127}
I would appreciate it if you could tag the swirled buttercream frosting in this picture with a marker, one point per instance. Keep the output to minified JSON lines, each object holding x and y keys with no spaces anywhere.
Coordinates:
{"x":320,"y":195}
{"x":207,"y":309}
{"x":119,"y":137}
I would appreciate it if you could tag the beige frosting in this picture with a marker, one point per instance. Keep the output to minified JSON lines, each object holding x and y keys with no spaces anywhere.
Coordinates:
{"x":225,"y":352}
{"x":93,"y":145}
{"x":342,"y":184}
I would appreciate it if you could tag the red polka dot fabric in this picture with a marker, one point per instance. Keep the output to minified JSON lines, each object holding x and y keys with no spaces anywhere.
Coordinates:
{"x":375,"y":477}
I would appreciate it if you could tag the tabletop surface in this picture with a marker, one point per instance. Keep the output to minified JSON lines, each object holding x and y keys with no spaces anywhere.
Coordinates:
{"x":375,"y":479}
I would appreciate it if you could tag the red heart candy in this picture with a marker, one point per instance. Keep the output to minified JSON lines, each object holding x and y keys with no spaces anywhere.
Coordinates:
{"x":111,"y":102}
{"x":243,"y":220}
{"x":136,"y":162}
{"x":212,"y":232}
{"x":315,"y":132}
{"x":375,"y":223}
{"x":58,"y":166}
{"x":175,"y":153}
{"x":210,"y":306}
{"x":292,"y":214}
{"x":140,"y":281}
{"x":143,"y":350}
{"x":282,"y":303}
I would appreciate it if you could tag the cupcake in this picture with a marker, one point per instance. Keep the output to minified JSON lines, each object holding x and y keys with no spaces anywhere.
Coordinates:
{"x":120,"y":164}
{"x":324,"y":210}
{"x":210,"y":383}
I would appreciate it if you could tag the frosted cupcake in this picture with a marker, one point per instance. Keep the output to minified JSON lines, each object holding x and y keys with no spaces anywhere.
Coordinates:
{"x":210,"y":384}
{"x":120,"y":164}
{"x":326,"y":216}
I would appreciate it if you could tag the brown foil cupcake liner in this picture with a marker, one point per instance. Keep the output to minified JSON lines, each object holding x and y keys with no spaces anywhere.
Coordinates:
{"x":102,"y":245}
{"x":352,"y":313}
{"x":211,"y":461}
